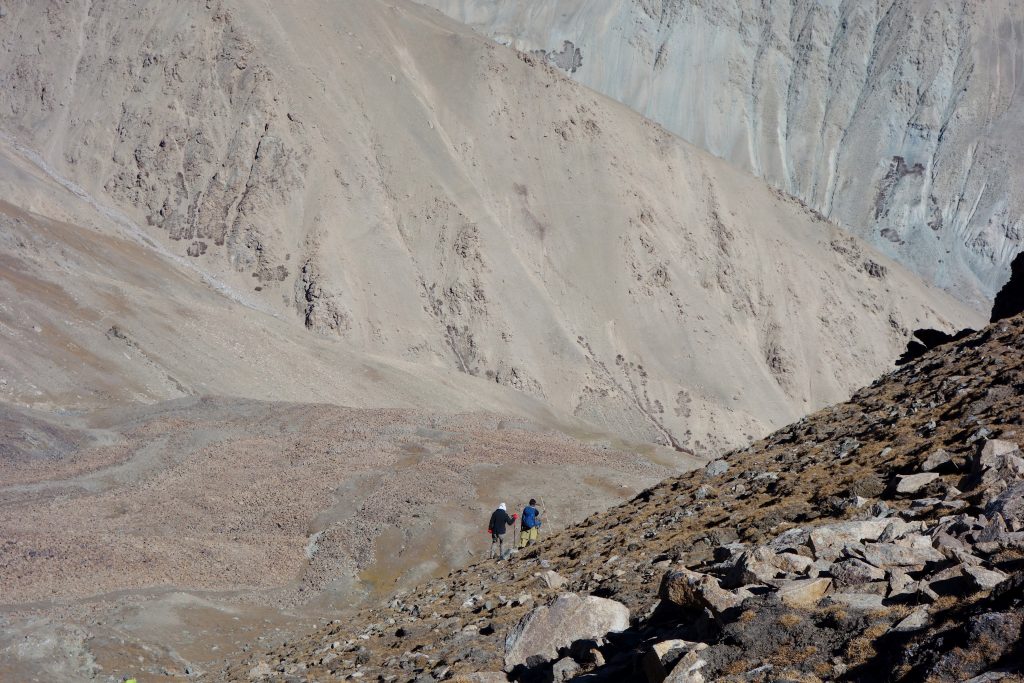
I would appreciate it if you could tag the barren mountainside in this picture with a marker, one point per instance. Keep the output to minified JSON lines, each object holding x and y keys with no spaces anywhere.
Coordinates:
{"x":898,"y":119}
{"x":293,"y":294}
{"x":380,"y":175}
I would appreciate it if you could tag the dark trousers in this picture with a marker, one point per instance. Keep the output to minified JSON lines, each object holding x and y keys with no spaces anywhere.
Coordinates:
{"x":499,"y":541}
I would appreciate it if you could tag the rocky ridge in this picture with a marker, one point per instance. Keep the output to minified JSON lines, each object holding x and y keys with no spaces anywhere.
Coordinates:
{"x":882,"y":538}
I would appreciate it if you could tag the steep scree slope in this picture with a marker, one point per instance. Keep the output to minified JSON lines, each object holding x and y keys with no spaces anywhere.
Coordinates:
{"x":900,"y":120}
{"x":377,"y":173}
{"x":882,"y":538}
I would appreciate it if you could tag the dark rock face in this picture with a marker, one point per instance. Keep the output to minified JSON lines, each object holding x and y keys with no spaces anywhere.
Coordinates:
{"x":1008,"y":303}
{"x":1010,"y":299}
{"x":928,"y":339}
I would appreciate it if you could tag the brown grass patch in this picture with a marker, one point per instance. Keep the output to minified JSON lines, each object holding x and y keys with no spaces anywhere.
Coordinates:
{"x":790,"y":656}
{"x":790,"y":620}
{"x":738,"y":667}
{"x":862,"y":648}
{"x":747,"y":616}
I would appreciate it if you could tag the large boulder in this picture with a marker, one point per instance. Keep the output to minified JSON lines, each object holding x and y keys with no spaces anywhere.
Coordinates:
{"x":693,"y":590}
{"x":854,"y":572}
{"x":544,"y":630}
{"x":984,"y":579}
{"x":758,"y":565}
{"x":1010,"y":506}
{"x":910,"y":484}
{"x":999,"y":461}
{"x":829,"y":540}
{"x":804,"y":593}
{"x":901,"y":554}
{"x":936,"y":460}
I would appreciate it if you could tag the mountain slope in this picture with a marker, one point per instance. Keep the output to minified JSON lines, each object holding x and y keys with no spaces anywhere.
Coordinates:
{"x":898,"y":120}
{"x":381,"y":175}
{"x":876,"y":539}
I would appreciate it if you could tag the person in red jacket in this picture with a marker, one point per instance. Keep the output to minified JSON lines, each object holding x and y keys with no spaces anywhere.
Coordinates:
{"x":500,"y":521}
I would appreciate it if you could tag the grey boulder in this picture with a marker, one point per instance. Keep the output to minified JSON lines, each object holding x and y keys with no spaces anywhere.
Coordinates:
{"x":544,"y":630}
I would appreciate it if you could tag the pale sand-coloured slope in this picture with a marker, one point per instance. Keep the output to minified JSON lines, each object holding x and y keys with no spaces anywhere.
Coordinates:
{"x":394,"y":181}
{"x":900,"y":120}
{"x":93,"y":318}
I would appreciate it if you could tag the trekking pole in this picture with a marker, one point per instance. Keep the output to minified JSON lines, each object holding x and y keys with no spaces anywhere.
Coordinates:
{"x":515,"y":533}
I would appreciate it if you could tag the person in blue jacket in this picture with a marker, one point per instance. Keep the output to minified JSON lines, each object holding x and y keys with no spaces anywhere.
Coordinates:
{"x":528,"y":531}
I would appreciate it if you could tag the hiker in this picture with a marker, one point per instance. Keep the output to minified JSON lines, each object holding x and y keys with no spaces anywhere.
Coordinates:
{"x":497,"y":527}
{"x":530,"y":525}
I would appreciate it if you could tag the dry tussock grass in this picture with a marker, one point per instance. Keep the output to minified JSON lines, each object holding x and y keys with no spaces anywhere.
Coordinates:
{"x":790,"y":620}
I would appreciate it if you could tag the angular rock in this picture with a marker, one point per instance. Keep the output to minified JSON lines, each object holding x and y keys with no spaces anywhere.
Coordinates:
{"x":755,"y":566}
{"x":984,"y":579}
{"x":791,"y":563}
{"x":693,"y":590}
{"x":803,"y":593}
{"x":912,"y":622}
{"x":829,"y":540}
{"x":912,"y":483}
{"x":853,"y":572}
{"x":687,"y":669}
{"x":543,"y":630}
{"x":867,"y":602}
{"x":1009,"y":505}
{"x":551,"y":579}
{"x":660,"y":659}
{"x":900,"y":554}
{"x":564,"y":669}
{"x":791,"y":539}
{"x":716,"y":468}
{"x":936,"y":460}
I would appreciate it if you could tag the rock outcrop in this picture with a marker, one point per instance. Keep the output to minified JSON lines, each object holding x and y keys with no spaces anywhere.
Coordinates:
{"x":1010,"y":299}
